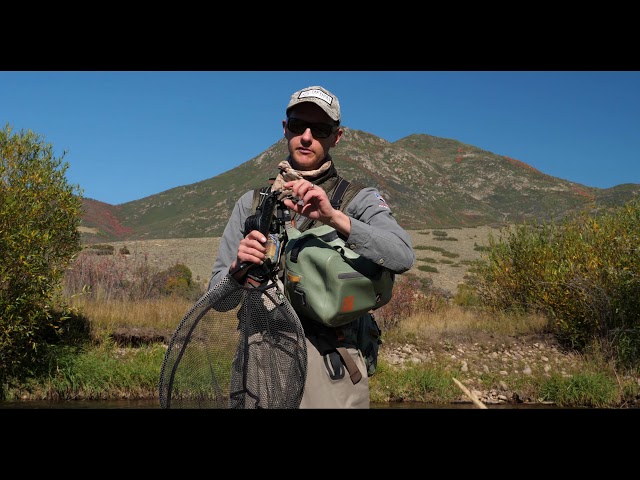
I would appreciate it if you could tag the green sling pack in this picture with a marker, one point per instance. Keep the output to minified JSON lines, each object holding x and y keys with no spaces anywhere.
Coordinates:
{"x":328,"y":282}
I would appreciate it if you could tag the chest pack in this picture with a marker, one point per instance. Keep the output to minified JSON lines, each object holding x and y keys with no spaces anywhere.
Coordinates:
{"x":328,"y":282}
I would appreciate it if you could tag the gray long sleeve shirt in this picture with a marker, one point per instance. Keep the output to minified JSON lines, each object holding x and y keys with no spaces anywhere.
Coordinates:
{"x":375,"y":234}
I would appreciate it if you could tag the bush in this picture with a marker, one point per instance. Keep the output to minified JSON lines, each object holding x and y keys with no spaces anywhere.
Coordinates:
{"x":583,"y":275}
{"x":427,"y":268}
{"x":177,"y":280}
{"x":466,"y":296}
{"x":39,"y":218}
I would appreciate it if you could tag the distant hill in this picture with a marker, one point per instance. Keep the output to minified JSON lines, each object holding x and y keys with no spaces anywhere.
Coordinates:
{"x":430,"y":182}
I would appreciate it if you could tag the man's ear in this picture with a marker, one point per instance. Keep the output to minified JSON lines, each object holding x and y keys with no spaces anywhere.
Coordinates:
{"x":338,"y":137}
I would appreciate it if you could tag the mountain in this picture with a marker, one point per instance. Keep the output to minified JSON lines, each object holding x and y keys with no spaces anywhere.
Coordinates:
{"x":430,"y":182}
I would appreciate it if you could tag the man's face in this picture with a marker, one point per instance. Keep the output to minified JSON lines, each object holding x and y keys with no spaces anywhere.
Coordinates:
{"x":306,"y":150}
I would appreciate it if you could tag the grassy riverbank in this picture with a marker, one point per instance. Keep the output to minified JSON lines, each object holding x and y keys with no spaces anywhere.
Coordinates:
{"x":499,"y":360}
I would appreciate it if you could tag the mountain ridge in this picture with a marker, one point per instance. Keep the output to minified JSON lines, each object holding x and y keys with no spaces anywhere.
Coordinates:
{"x":429,"y":182}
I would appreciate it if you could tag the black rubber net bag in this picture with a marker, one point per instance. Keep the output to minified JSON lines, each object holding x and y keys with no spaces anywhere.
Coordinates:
{"x":238,"y":347}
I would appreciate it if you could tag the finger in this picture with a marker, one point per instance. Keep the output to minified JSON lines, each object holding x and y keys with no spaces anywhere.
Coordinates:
{"x":293,"y":203}
{"x":303,"y":187}
{"x":255,"y":246}
{"x":306,"y":188}
{"x":256,"y":235}
{"x":245,"y":258}
{"x":253,"y":253}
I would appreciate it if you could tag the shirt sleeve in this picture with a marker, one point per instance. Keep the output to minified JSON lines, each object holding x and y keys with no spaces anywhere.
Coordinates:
{"x":375,"y":233}
{"x":231,"y":236}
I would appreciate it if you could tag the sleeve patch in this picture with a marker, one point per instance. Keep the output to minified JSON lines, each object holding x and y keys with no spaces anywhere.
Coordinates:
{"x":383,"y":202}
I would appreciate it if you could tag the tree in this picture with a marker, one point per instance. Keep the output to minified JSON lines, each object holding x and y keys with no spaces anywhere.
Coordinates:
{"x":39,"y":218}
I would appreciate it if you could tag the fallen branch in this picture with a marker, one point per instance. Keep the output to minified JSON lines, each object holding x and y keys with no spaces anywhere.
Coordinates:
{"x":470,"y":394}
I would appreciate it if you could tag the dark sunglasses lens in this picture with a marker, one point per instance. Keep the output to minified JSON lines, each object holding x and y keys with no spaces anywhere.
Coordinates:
{"x":296,"y":126}
{"x":318,"y":130}
{"x":321,"y":130}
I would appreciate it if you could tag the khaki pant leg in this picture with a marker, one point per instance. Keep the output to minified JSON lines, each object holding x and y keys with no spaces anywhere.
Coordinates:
{"x":321,"y":391}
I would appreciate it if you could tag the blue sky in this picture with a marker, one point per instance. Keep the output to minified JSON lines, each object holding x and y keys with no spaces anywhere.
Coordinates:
{"x":131,"y":134}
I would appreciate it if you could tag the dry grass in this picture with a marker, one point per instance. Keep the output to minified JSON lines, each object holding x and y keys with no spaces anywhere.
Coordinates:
{"x":161,"y":314}
{"x":459,"y":323}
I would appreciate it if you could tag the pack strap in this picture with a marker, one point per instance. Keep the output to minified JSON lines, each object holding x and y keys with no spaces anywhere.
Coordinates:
{"x":352,"y":368}
{"x":259,"y":195}
{"x":338,"y":193}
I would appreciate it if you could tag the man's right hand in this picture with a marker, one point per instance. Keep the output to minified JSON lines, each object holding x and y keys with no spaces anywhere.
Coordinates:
{"x":252,"y":249}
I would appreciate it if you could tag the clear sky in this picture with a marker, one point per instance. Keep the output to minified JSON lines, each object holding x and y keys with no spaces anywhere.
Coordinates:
{"x":131,"y":134}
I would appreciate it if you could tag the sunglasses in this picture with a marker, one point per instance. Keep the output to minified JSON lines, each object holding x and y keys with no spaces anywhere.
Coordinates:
{"x":318,"y":130}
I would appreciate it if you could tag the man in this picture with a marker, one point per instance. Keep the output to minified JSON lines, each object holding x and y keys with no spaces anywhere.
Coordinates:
{"x":312,"y":128}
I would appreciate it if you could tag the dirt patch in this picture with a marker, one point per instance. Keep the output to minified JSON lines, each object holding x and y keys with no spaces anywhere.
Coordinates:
{"x":136,"y":337}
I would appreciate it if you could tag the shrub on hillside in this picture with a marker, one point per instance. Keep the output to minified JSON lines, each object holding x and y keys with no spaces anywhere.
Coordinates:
{"x":177,"y":280}
{"x":427,"y":268}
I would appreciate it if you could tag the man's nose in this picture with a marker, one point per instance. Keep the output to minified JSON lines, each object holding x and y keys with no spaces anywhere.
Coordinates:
{"x":307,"y":135}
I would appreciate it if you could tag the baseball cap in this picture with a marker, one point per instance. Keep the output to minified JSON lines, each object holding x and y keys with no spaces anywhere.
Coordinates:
{"x":321,"y":97}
